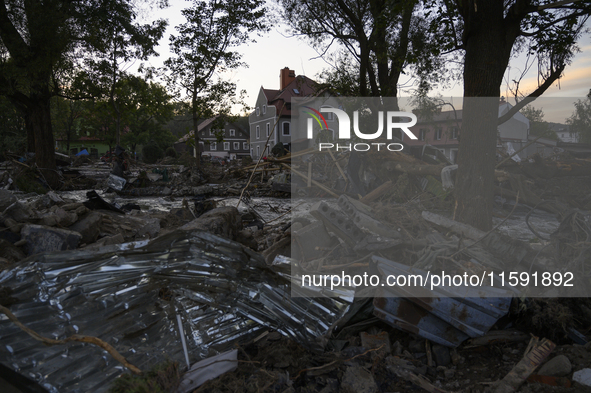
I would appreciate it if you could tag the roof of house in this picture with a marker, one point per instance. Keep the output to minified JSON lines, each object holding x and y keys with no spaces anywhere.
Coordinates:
{"x":301,"y":86}
{"x":200,"y":127}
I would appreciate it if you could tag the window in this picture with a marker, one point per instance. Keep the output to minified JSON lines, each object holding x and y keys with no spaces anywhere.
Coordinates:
{"x":264,"y":109}
{"x":213,"y":146}
{"x":210,"y":131}
{"x":232,"y":132}
{"x":329,"y":116}
{"x":454,"y":133}
{"x":258,"y":151}
{"x":285,"y":130}
{"x":258,"y":111}
{"x":296,"y":91}
{"x":438,"y":134}
{"x":244,"y":145}
{"x":268,"y":129}
{"x":258,"y":132}
{"x":422,"y":134}
{"x":236,"y":145}
{"x":226,"y":146}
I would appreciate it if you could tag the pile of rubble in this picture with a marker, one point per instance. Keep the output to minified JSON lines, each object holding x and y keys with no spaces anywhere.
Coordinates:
{"x":216,"y":289}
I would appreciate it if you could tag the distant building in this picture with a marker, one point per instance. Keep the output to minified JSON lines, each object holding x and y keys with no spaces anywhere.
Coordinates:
{"x":564,"y":133}
{"x":273,"y":112}
{"x":96,"y":147}
{"x":235,"y":143}
{"x":443,"y":131}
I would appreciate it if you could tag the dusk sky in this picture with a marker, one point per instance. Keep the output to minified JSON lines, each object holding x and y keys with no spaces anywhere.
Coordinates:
{"x":275,"y":50}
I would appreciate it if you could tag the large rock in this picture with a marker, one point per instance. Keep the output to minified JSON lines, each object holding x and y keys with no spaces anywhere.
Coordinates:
{"x":19,"y":212}
{"x":42,"y":239}
{"x":6,"y":199}
{"x":223,"y":221}
{"x":89,"y":227}
{"x":558,"y":366}
{"x":58,"y":217}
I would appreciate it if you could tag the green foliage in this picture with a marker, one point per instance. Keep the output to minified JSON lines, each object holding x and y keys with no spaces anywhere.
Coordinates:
{"x":580,"y":120}
{"x":376,"y":41}
{"x":145,"y":109}
{"x":163,"y":378}
{"x":42,"y":42}
{"x":170,"y":152}
{"x":204,"y":46}
{"x":537,"y":125}
{"x":152,"y":153}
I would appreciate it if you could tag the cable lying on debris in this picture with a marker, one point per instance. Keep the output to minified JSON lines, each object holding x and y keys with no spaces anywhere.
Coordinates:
{"x":76,"y":337}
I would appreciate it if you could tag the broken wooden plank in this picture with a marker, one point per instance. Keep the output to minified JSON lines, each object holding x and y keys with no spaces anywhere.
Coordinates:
{"x":378,"y":192}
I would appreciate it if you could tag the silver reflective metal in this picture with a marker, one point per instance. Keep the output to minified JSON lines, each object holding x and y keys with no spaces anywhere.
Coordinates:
{"x":129,"y":298}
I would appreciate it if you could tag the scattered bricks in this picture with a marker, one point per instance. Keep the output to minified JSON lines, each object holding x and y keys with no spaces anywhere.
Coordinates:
{"x":309,"y":241}
{"x":337,"y":222}
{"x":40,"y":239}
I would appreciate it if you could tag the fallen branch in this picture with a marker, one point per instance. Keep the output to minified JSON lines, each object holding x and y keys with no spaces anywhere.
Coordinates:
{"x":338,"y":360}
{"x":76,"y":337}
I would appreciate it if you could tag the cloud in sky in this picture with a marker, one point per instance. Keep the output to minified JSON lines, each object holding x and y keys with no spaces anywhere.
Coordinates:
{"x":275,"y":51}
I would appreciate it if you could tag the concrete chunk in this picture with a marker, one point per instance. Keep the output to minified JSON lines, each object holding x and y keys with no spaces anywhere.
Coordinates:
{"x":41,"y":239}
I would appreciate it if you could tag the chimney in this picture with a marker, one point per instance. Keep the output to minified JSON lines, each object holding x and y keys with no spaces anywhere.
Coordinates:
{"x":286,"y":76}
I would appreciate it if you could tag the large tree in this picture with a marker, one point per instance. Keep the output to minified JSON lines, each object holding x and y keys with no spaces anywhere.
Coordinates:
{"x":39,"y":41}
{"x":205,"y":48}
{"x":580,"y":120}
{"x":381,"y":37}
{"x":146,"y":107}
{"x":489,"y":32}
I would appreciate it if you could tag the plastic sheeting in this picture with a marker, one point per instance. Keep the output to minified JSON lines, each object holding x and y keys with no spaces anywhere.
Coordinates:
{"x":223,"y":291}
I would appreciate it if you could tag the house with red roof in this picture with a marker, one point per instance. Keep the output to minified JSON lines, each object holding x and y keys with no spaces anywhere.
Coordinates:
{"x":271,"y":121}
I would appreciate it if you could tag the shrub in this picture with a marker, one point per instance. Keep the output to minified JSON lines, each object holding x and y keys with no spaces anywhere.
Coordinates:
{"x":152,"y":153}
{"x":170,"y":152}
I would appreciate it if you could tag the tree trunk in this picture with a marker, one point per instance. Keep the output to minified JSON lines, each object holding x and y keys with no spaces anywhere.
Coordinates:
{"x":484,"y":64}
{"x":38,"y":120}
{"x":30,"y":134}
{"x":196,"y":137}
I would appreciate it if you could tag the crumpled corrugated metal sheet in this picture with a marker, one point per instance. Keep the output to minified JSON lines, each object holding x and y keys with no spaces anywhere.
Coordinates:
{"x":446,"y":315}
{"x":223,"y":291}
